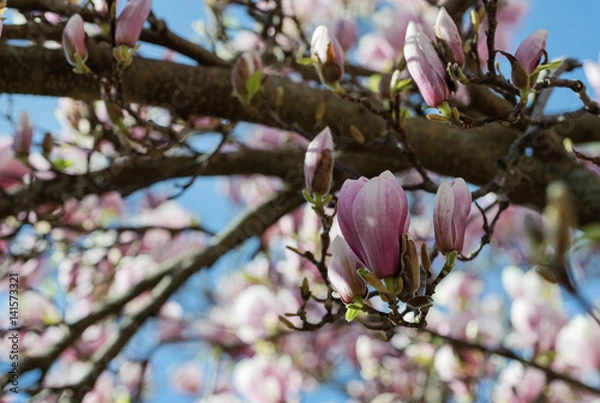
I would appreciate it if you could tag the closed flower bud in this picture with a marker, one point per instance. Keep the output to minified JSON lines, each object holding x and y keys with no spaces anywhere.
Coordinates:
{"x":446,"y":31}
{"x":73,"y":40}
{"x":342,"y":272}
{"x":131,"y":22}
{"x":425,"y":66}
{"x":47,"y":144}
{"x":245,"y":66}
{"x":450,"y":214}
{"x":530,"y":52}
{"x":23,"y":135}
{"x":329,"y":55}
{"x":318,"y":163}
{"x":373,"y":215}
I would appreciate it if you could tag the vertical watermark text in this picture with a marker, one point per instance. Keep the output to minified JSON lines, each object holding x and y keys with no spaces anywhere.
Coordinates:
{"x":13,"y":333}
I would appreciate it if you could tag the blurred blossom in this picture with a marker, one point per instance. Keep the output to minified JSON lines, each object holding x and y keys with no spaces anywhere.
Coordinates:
{"x":345,"y":31}
{"x":267,"y":379}
{"x":12,"y":171}
{"x":373,"y":215}
{"x":188,"y":378}
{"x":529,"y":285}
{"x":592,"y":73}
{"x":256,"y":312}
{"x":578,"y":343}
{"x":519,"y":384}
{"x":536,"y":323}
{"x":509,"y":16}
{"x":375,"y":52}
{"x":458,"y":290}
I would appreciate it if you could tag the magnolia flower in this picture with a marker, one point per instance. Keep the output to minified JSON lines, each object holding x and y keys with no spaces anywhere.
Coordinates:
{"x":73,"y":40}
{"x":329,"y":55}
{"x":345,"y":32}
{"x":373,"y":215}
{"x":578,"y":344}
{"x":23,"y":135}
{"x":318,"y":163}
{"x":450,"y":214}
{"x":446,"y":31}
{"x":131,"y":21}
{"x":425,"y":66}
{"x":530,"y":52}
{"x":342,"y":272}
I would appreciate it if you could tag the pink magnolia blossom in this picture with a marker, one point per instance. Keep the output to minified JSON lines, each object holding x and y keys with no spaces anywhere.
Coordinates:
{"x":188,"y":378}
{"x":12,"y":171}
{"x":425,"y":66}
{"x":458,"y":289}
{"x":375,"y":52}
{"x":446,"y":30}
{"x":536,"y":323}
{"x":373,"y":215}
{"x":345,"y":32}
{"x":578,"y":343}
{"x":256,"y":312}
{"x":592,"y":73}
{"x":329,"y":55}
{"x":450,"y":214}
{"x":131,"y":22}
{"x":342,"y":272}
{"x":530,"y":52}
{"x":318,"y":163}
{"x":519,"y":384}
{"x":267,"y":379}
{"x":73,"y":39}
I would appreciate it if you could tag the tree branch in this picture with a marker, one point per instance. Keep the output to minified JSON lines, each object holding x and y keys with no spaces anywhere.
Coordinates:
{"x":205,"y":91}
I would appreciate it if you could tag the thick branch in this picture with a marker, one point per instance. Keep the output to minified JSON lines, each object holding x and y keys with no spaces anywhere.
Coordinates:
{"x":186,"y":90}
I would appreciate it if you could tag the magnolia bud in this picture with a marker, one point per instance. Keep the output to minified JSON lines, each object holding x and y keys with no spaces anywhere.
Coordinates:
{"x":131,"y":22}
{"x":318,"y":163}
{"x":329,"y":56}
{"x":23,"y":135}
{"x":450,"y":214}
{"x":447,"y":32}
{"x":73,"y":40}
{"x":425,"y":66}
{"x":244,"y":73}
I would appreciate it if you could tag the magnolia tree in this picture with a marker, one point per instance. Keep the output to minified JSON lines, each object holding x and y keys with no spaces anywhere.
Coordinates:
{"x":419,"y":223}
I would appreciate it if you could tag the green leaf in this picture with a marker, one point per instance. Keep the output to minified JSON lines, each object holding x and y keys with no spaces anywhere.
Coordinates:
{"x":550,"y":66}
{"x":402,"y":85}
{"x":60,"y":164}
{"x":253,"y":84}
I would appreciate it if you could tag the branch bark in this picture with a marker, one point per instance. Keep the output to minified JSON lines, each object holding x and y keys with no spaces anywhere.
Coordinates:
{"x":206,"y":91}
